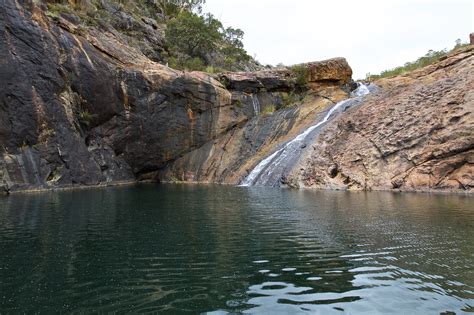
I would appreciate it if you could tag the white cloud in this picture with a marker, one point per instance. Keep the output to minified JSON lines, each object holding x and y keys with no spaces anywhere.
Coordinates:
{"x":372,"y":35}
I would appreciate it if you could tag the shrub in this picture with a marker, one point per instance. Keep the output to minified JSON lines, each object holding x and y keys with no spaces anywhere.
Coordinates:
{"x":212,"y":70}
{"x":194,"y":64}
{"x":290,"y":99}
{"x":301,"y":74}
{"x":55,"y":9}
{"x":86,"y":118}
{"x":238,"y":103}
{"x":268,"y":110}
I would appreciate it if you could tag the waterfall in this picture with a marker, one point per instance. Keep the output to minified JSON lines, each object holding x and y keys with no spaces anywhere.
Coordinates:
{"x":270,"y":170}
{"x":256,"y":104}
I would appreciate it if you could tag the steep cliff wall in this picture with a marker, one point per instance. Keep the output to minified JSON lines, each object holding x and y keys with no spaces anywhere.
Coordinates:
{"x":82,"y":107}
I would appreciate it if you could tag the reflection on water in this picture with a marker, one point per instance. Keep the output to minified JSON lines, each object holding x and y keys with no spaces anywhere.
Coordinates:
{"x":196,"y":249}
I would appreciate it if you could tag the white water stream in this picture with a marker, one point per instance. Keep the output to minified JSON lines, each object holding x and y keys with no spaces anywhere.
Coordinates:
{"x":263,"y":172}
{"x":256,"y":105}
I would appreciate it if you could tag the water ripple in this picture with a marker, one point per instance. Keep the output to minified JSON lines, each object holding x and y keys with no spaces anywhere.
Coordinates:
{"x":197,"y":249}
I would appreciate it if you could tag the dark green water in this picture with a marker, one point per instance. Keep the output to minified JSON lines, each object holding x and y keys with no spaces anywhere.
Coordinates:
{"x":196,"y":249}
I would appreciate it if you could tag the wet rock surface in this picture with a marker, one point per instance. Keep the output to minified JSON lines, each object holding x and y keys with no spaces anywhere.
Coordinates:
{"x":229,"y":158}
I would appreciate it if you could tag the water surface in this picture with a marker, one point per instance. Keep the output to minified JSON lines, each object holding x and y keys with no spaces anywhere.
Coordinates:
{"x":197,"y":248}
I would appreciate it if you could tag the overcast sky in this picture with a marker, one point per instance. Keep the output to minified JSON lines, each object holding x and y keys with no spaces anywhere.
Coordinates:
{"x":372,"y":35}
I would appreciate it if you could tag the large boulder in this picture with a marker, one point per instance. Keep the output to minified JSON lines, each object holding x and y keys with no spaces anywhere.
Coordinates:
{"x":253,"y":82}
{"x":313,"y":75}
{"x":331,"y":70}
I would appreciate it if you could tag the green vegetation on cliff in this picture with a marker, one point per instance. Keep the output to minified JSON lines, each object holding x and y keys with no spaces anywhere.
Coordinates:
{"x":158,"y":9}
{"x":429,"y":58}
{"x":182,"y":36}
{"x":199,"y":41}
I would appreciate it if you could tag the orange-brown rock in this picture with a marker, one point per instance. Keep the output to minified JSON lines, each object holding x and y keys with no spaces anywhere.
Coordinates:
{"x":331,"y":72}
{"x":417,"y":133}
{"x":335,"y":70}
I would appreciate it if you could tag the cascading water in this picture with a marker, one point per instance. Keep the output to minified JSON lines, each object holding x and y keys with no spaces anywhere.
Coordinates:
{"x":271,"y":169}
{"x":256,"y":105}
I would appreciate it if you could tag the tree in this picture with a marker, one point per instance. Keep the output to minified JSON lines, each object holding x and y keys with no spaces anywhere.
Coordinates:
{"x":233,"y":48}
{"x":171,"y":8}
{"x":458,"y":43}
{"x":190,"y":36}
{"x":193,"y":35}
{"x":234,"y":36}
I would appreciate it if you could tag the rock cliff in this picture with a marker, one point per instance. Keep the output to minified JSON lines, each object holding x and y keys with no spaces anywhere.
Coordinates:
{"x":85,"y":108}
{"x":416,"y":133}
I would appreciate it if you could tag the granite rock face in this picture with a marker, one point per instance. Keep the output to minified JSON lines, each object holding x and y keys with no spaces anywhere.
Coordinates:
{"x":417,"y":133}
{"x":85,"y":108}
{"x":229,"y":158}
{"x":281,"y":109}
